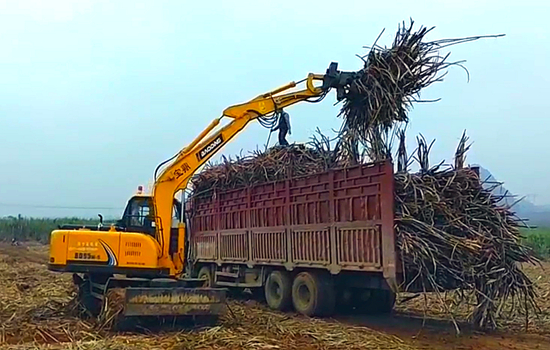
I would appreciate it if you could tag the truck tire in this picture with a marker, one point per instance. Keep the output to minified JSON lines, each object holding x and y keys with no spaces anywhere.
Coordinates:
{"x":374,"y":301}
{"x":258,"y":294}
{"x":278,"y":291}
{"x":313,"y":294}
{"x":206,"y":272}
{"x":345,"y":302}
{"x":382,"y":301}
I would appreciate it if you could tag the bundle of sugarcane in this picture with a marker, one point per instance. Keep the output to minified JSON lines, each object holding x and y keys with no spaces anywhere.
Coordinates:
{"x":113,"y":306}
{"x":390,"y":82}
{"x":375,"y":102}
{"x":452,"y":234}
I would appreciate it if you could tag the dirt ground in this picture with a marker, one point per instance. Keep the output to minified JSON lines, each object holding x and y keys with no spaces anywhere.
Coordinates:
{"x":37,"y":311}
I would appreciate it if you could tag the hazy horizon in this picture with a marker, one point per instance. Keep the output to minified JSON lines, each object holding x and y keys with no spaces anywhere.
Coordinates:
{"x":95,"y":94}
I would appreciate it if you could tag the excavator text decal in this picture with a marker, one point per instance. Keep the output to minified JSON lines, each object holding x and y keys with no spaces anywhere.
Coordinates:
{"x":211,"y":147}
{"x":181,"y":170}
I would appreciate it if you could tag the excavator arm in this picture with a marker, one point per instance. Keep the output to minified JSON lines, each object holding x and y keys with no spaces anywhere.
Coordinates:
{"x":177,"y":174}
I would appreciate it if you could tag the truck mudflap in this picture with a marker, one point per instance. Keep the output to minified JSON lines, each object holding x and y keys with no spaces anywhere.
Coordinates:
{"x":179,"y":301}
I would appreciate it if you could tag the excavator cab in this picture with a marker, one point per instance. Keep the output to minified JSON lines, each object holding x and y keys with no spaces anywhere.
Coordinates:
{"x":138,"y":216}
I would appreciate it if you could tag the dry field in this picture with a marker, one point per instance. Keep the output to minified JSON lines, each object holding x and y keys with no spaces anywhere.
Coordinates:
{"x":37,"y":312}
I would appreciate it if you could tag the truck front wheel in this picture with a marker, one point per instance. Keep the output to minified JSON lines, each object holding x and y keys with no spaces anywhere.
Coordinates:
{"x":313,"y":294}
{"x":278,"y":291}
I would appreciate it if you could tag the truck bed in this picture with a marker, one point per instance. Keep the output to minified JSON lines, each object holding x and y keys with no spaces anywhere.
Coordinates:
{"x":339,"y":220}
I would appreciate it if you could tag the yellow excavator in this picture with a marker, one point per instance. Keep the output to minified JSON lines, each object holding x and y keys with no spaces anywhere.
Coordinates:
{"x":144,"y":253}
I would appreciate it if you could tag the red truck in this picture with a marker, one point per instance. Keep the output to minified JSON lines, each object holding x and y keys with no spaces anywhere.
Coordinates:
{"x":310,"y":243}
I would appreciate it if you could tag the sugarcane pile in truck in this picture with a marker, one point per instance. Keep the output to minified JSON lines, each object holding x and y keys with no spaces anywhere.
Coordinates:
{"x":306,"y":241}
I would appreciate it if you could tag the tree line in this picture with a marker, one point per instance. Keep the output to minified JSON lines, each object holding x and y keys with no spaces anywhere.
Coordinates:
{"x":35,"y":229}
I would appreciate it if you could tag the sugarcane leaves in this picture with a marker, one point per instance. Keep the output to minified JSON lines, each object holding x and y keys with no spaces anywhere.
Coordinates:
{"x":402,"y":159}
{"x":422,"y":153}
{"x":474,"y":243}
{"x":462,"y":148}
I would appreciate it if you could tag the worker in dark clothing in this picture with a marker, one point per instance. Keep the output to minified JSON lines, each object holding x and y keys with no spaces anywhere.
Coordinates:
{"x":283,"y":127}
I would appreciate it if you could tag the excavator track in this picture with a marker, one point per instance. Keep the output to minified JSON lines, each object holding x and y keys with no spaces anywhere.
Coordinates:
{"x":123,"y":303}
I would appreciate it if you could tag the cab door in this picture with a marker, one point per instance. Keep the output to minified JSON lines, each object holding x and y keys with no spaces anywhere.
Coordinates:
{"x":139,"y":246}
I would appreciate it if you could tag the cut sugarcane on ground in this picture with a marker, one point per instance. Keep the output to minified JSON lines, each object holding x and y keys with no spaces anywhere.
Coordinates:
{"x":37,"y":308}
{"x":37,"y":311}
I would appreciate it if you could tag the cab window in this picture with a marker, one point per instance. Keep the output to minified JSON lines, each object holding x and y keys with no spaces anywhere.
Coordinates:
{"x":176,"y":213}
{"x":139,"y":216}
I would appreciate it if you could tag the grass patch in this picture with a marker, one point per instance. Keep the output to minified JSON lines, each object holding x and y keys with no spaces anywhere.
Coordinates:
{"x":35,"y":229}
{"x":539,"y":240}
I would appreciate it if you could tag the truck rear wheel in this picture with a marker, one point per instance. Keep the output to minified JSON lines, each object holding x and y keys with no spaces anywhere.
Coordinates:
{"x":382,"y":301}
{"x":313,"y":294}
{"x":278,"y":291}
{"x":374,"y":301}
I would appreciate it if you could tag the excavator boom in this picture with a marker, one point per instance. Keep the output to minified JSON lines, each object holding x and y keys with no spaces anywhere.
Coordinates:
{"x":176,"y":176}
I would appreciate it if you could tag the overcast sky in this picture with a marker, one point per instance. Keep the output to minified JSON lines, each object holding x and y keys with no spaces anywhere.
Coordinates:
{"x":94,"y":94}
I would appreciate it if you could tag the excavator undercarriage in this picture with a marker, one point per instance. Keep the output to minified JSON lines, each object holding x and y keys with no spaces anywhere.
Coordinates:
{"x":158,"y":299}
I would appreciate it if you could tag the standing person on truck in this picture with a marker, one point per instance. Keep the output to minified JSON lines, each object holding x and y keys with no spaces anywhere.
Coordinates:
{"x":283,"y":127}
